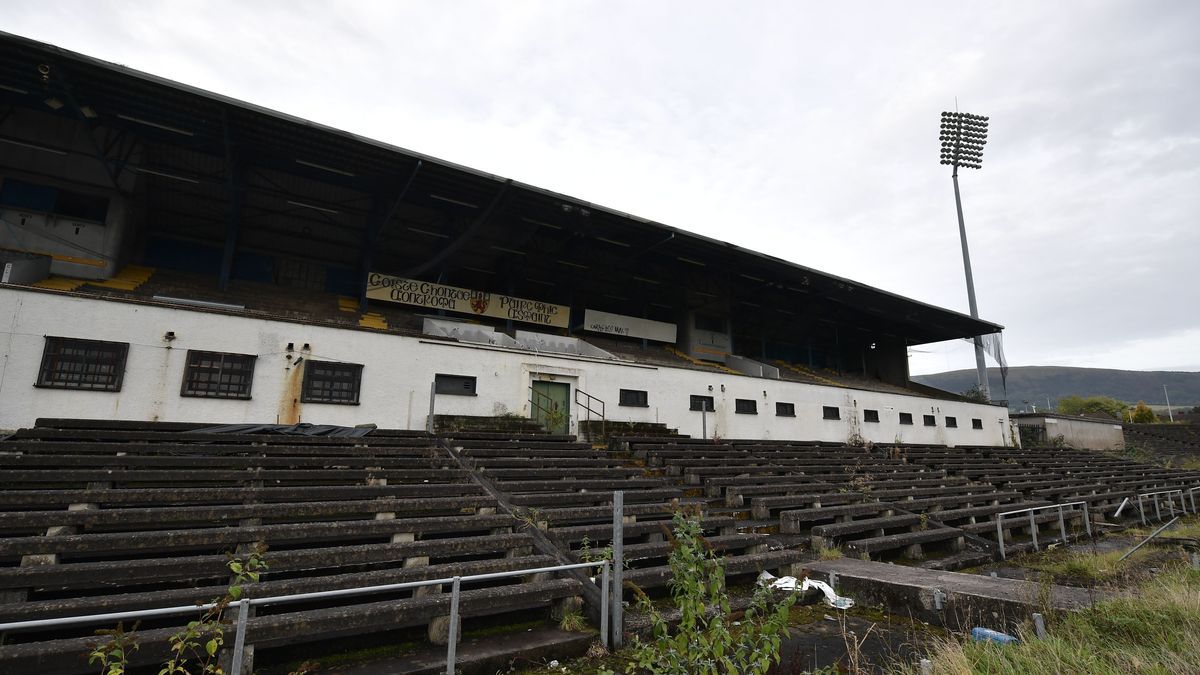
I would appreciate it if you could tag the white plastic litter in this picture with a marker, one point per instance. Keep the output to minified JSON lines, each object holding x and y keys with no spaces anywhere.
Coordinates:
{"x":791,"y":584}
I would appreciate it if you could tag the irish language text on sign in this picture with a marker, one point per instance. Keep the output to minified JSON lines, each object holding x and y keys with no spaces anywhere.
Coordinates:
{"x":465,"y":300}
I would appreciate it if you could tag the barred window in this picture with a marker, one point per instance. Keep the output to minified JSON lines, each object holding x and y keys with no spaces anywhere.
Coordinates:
{"x":701,"y":403}
{"x":95,"y":365}
{"x":745,"y":406}
{"x":976,"y":423}
{"x":870,"y":415}
{"x":952,"y":422}
{"x":218,"y":375}
{"x":906,"y":418}
{"x":329,"y":382}
{"x":831,"y":412}
{"x":930,"y":421}
{"x":636,"y":398}
{"x":785,"y":409}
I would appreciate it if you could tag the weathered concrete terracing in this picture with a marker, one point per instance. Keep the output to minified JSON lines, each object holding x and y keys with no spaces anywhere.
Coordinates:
{"x":966,"y":600}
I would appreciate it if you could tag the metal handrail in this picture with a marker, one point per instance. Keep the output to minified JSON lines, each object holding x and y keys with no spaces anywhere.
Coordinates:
{"x":1062,"y":523}
{"x":1170,"y":503}
{"x":245,"y":605}
{"x":587,"y":405}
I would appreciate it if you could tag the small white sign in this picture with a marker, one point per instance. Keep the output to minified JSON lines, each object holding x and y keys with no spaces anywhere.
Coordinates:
{"x":627,"y":326}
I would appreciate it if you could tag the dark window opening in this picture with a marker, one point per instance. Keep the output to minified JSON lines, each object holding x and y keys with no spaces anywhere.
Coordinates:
{"x":831,"y":412}
{"x":785,"y":409}
{"x":454,"y":385}
{"x":94,"y":365}
{"x":930,"y":421}
{"x":870,"y":415}
{"x":80,"y":205}
{"x":635,"y":398}
{"x":329,"y":382}
{"x":952,"y":422}
{"x":745,"y":406}
{"x":218,"y":375}
{"x":701,"y":403}
{"x":906,"y":418}
{"x":976,"y":423}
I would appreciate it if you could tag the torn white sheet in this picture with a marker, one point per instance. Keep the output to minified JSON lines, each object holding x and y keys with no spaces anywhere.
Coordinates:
{"x":790,"y":584}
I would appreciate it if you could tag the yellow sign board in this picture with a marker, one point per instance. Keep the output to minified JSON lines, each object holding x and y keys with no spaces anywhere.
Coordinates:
{"x":465,"y":301}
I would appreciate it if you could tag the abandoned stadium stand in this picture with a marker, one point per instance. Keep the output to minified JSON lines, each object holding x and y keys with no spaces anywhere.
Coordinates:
{"x":246,"y":266}
{"x":107,"y":516}
{"x":103,"y":516}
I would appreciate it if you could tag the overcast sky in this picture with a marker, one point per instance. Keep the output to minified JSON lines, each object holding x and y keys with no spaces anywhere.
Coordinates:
{"x":807,"y":130}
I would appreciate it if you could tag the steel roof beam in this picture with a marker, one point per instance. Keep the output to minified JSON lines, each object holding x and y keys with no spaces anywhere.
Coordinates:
{"x":466,"y":235}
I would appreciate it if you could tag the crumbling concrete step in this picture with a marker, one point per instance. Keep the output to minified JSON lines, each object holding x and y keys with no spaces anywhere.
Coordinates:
{"x":967,"y":600}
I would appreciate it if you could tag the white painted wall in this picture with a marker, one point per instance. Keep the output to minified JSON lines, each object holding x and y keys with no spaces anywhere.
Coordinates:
{"x":1078,"y":432}
{"x":397,"y":374}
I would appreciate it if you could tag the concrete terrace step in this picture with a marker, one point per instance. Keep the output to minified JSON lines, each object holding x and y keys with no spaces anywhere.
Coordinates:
{"x":12,"y":498}
{"x":410,"y":448}
{"x":483,"y":655}
{"x":969,"y":599}
{"x":63,"y":655}
{"x":107,"y":574}
{"x":194,"y":436}
{"x":268,"y":587}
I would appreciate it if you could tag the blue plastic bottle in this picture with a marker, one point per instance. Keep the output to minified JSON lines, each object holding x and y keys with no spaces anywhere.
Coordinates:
{"x":981,"y":634}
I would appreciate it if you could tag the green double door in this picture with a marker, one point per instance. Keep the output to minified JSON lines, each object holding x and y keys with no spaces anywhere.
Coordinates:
{"x":551,"y":403}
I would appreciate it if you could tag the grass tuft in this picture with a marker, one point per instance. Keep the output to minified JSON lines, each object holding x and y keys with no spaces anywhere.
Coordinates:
{"x":829,"y":553}
{"x":573,"y":622}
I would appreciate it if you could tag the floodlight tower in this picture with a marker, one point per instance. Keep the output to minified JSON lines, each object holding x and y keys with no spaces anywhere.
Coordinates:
{"x":963,"y":136}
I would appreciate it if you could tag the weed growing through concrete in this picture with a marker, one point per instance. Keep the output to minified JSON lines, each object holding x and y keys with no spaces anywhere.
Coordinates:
{"x":195,"y":648}
{"x":572,"y":621}
{"x":708,"y":641}
{"x":829,"y":553}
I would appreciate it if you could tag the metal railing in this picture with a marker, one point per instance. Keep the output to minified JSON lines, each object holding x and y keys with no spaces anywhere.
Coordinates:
{"x":243,"y":607}
{"x":1033,"y":525}
{"x":587,"y":403}
{"x":1192,"y":495}
{"x":1147,"y":539}
{"x":1157,"y":506}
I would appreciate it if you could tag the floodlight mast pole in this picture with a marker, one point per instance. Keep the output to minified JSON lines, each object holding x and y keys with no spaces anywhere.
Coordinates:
{"x":963,"y":136}
{"x":980,"y":363}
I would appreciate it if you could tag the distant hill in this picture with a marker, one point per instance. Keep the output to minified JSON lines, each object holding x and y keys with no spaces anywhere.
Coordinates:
{"x":1035,"y":383}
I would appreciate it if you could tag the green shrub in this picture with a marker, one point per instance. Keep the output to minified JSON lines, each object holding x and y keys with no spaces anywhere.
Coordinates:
{"x":708,"y":641}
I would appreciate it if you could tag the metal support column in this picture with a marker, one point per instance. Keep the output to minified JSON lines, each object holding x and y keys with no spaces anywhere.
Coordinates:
{"x":372,"y":233}
{"x":432,"y":401}
{"x":605,"y":637}
{"x":618,"y":544}
{"x":452,"y":645}
{"x":234,"y":217}
{"x":1033,"y":529}
{"x":239,"y":640}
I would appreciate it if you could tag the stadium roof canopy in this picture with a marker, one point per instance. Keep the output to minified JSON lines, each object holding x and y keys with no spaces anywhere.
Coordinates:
{"x":219,"y":172}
